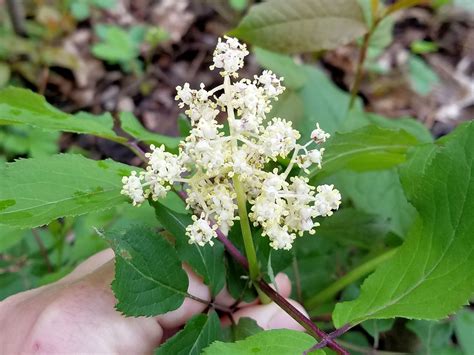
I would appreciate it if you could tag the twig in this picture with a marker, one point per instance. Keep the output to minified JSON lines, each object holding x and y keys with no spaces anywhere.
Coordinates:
{"x":360,"y":63}
{"x":135,"y":148}
{"x":42,"y":249}
{"x":16,"y":11}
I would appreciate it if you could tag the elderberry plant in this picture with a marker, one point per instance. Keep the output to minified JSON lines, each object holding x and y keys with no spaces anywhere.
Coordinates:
{"x":218,"y":169}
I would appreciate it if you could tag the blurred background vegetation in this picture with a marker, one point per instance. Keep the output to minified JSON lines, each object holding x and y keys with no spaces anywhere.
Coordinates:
{"x":119,"y":56}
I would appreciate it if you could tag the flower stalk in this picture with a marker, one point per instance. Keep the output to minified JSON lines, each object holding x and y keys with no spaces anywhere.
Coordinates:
{"x":254,"y":269}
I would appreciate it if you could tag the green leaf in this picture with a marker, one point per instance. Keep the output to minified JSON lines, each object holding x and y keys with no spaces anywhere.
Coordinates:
{"x":464,"y":328}
{"x":271,"y":342}
{"x":432,"y":274}
{"x":5,"y":74}
{"x":422,"y":78}
{"x":80,"y":10}
{"x":239,"y":5}
{"x":118,"y":45}
{"x":184,"y":125}
{"x":311,"y":97}
{"x":132,"y":126}
{"x":368,"y":148}
{"x":22,"y":106}
{"x":149,"y":279}
{"x":199,"y":332}
{"x":352,"y":227}
{"x":422,"y":47}
{"x":207,"y":261}
{"x":378,"y":193}
{"x":376,"y":326}
{"x":302,"y":25}
{"x":434,"y":336}
{"x":244,"y":328}
{"x":9,"y":236}
{"x":36,"y":191}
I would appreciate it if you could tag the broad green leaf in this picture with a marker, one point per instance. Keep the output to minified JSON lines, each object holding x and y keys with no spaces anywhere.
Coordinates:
{"x":22,"y":106}
{"x":198,"y":333}
{"x":271,"y":342}
{"x":432,"y":274}
{"x":368,"y":148}
{"x":36,"y":191}
{"x":207,"y":261}
{"x":352,"y":227}
{"x":464,"y":329}
{"x":434,"y":336}
{"x":132,"y":126}
{"x":378,"y":193}
{"x":302,"y":25}
{"x":9,"y":236}
{"x":310,"y":98}
{"x":28,"y":140}
{"x":149,"y":279}
{"x":408,"y":124}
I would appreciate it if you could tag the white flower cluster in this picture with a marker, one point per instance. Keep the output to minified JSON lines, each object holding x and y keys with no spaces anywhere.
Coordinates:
{"x":210,"y":163}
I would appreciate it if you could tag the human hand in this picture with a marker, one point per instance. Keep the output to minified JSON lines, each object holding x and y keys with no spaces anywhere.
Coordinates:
{"x":76,"y":314}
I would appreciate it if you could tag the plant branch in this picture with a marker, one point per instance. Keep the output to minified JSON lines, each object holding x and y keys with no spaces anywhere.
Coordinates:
{"x":135,"y":148}
{"x":360,"y":63}
{"x":347,"y":279}
{"x":16,"y":12}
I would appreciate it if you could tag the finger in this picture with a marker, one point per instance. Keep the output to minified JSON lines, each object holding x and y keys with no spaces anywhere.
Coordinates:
{"x":271,"y":316}
{"x":224,"y":298}
{"x":190,"y":307}
{"x":89,"y":265}
{"x":283,"y":284}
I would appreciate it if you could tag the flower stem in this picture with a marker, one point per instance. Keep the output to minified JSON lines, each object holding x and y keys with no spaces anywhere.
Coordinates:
{"x":254,"y":269}
{"x":347,"y":279}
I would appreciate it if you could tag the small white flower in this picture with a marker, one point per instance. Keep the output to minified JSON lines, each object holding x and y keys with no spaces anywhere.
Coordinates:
{"x":132,"y":187}
{"x":279,"y":138}
{"x":271,"y":83}
{"x":165,"y":165}
{"x":327,"y":199}
{"x":280,"y":238}
{"x":319,"y":136}
{"x":200,"y":232}
{"x":229,"y":55}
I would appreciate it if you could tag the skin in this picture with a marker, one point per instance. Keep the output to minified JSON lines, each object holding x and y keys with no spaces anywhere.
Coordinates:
{"x":76,"y":315}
